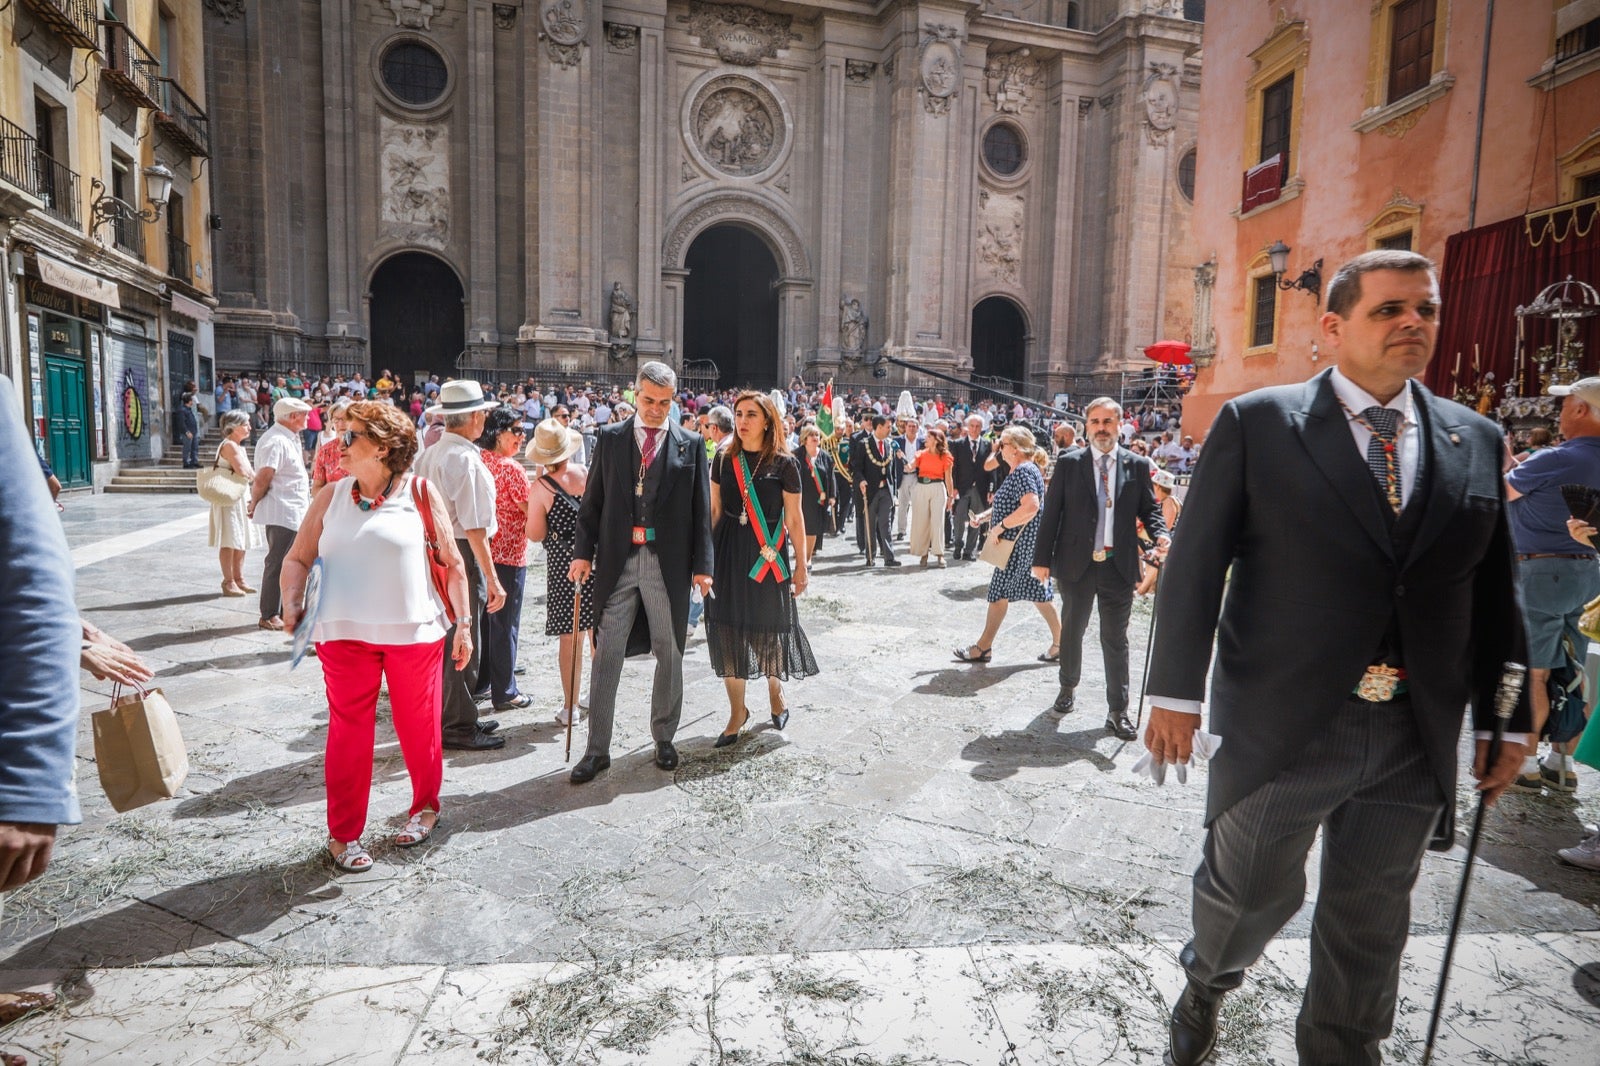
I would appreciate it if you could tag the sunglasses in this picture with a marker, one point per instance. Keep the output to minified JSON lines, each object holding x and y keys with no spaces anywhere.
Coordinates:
{"x":348,"y":438}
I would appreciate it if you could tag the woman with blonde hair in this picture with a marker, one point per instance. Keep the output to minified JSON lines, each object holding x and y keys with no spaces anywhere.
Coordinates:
{"x":553,"y":520}
{"x":379,"y":619}
{"x":932,"y":495}
{"x":752,"y":628}
{"x":816,"y":487}
{"x":1015,"y":518}
{"x":232,"y":532}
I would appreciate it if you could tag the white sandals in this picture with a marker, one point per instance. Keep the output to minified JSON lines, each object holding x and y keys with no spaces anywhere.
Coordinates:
{"x":416,"y":831}
{"x":353,"y":859}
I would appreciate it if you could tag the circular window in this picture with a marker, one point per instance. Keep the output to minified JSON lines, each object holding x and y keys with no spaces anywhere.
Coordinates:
{"x":1186,"y":174}
{"x":1002,"y":149}
{"x":414,"y":73}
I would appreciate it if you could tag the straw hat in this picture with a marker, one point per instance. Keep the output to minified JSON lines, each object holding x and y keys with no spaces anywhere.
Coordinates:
{"x":463,"y":397}
{"x":552,"y":443}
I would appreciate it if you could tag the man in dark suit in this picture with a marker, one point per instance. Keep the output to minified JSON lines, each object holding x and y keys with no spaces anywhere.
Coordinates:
{"x":644,"y":530}
{"x":972,"y":486}
{"x":875,"y":465}
{"x":1370,"y":600}
{"x":1087,"y":541}
{"x":189,"y":432}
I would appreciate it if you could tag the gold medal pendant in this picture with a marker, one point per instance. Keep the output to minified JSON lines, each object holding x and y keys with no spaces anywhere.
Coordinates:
{"x":768,"y":553}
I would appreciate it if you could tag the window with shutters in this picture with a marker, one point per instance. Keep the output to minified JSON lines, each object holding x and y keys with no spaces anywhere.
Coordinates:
{"x":1277,"y":109}
{"x":1589,"y":186}
{"x":1274,"y":101}
{"x":1410,"y":47}
{"x":1585,"y":38}
{"x":1396,"y":242}
{"x":1261,"y":306}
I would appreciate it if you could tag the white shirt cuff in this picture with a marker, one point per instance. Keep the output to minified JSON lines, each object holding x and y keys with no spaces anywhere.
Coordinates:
{"x":1515,"y":738}
{"x":1182,"y":706}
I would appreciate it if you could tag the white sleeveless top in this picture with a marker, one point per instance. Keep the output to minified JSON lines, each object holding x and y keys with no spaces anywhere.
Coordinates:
{"x":375,"y":582}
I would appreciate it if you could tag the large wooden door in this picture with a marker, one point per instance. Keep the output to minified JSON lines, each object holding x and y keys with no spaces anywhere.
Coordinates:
{"x":68,"y":434}
{"x":418,"y":319}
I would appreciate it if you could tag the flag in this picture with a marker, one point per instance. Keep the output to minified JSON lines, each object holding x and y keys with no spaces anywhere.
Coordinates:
{"x":825,"y":411}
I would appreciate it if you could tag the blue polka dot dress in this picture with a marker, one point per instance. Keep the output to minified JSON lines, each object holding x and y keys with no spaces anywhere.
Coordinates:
{"x":1016,"y":582}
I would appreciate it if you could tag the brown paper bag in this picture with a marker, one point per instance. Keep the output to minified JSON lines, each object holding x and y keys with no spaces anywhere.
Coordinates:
{"x":139,"y":750}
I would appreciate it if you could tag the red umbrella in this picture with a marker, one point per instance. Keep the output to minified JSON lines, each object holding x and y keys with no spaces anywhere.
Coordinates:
{"x":1175,"y":353}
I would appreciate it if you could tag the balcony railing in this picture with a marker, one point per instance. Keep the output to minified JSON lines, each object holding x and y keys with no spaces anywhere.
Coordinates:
{"x":178,"y":258}
{"x":127,"y":233}
{"x":17,"y":148}
{"x":130,"y":66}
{"x":57,"y":185}
{"x":182,"y":119}
{"x":75,"y":20}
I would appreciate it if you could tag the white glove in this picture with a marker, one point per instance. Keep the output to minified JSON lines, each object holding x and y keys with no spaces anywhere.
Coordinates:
{"x":1205,"y":746}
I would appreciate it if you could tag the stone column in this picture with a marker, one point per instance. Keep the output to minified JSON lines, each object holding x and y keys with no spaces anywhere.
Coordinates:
{"x":346,"y":311}
{"x":649,"y":324}
{"x":483,"y":335}
{"x":794,"y":310}
{"x":830,"y":228}
{"x":564,"y":207}
{"x":673,"y":281}
{"x":1057,"y":217}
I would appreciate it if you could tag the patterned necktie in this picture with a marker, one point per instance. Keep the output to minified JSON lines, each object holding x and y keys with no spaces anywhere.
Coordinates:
{"x":649,"y":454}
{"x":1382,"y":456}
{"x":1105,"y":479}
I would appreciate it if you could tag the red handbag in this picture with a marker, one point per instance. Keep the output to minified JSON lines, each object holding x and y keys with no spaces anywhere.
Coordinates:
{"x":437,"y":570}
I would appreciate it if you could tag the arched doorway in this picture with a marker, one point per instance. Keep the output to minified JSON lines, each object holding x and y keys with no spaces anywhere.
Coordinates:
{"x":419,"y":322}
{"x":999,"y":340}
{"x":730,"y":306}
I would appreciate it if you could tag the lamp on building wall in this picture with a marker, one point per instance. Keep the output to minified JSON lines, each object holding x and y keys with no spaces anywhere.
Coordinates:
{"x":107,"y":208}
{"x":1310,"y":279}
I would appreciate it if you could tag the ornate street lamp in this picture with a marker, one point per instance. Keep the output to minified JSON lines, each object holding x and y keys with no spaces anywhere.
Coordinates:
{"x":1309,"y":281}
{"x":107,"y":208}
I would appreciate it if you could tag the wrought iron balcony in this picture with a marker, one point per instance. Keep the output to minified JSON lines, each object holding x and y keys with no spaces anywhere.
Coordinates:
{"x":130,"y":66}
{"x":182,"y":119}
{"x":57,"y":185}
{"x":17,"y":148}
{"x":178,"y":258}
{"x":75,"y":20}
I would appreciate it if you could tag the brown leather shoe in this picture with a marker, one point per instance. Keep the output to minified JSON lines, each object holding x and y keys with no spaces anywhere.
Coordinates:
{"x":16,"y":1005}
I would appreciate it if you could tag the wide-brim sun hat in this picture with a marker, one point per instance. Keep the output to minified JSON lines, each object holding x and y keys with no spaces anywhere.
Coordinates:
{"x":463,"y":398}
{"x":552,"y":443}
{"x":1165,"y":478}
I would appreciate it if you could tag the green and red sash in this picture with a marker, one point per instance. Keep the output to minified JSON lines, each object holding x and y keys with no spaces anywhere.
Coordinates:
{"x":816,"y":478}
{"x":770,"y":538}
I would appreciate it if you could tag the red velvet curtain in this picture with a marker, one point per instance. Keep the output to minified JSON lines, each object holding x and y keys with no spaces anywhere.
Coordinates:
{"x":1487,"y":273}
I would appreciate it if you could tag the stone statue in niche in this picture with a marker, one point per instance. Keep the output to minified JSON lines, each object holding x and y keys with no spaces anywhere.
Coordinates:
{"x":1161,"y":101}
{"x":852,"y":326}
{"x":1011,"y":78}
{"x":940,"y":67}
{"x":621,"y":313}
{"x":413,"y":14}
{"x":735,"y":131}
{"x":1000,"y":220}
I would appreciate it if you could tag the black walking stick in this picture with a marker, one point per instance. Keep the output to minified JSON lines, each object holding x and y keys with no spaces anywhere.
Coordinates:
{"x":1505,"y":700}
{"x":1149,"y":638}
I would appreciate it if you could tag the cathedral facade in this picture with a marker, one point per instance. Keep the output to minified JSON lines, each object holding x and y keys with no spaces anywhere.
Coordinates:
{"x":749,"y":191}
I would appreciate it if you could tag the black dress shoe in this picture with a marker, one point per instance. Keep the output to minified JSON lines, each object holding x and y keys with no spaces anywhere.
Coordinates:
{"x":666,"y":755}
{"x":487,"y":725}
{"x":892,"y":562}
{"x":1066,"y":702}
{"x":780,"y":720}
{"x":1120,"y":725}
{"x":479,"y":741}
{"x":588,"y":766}
{"x":1194,"y":1026}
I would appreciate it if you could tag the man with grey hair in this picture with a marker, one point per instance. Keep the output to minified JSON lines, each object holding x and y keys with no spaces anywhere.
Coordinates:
{"x":644,"y":535}
{"x":279,"y":498}
{"x":457,"y":470}
{"x":1087,"y":542}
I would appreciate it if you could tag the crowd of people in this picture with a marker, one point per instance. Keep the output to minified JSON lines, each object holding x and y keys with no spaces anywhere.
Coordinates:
{"x":660,"y":510}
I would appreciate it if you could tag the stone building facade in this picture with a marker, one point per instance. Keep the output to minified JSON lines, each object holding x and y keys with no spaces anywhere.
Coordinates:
{"x":571,"y":186}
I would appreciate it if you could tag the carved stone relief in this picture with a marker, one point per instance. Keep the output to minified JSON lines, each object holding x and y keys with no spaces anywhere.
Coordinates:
{"x":783,"y":183}
{"x":622,"y":38}
{"x":939,"y":67}
{"x":415,"y":176}
{"x":1011,"y":79}
{"x":565,"y":24}
{"x":414,"y":14}
{"x":1205,"y":333}
{"x":741,"y":35}
{"x":686,"y":171}
{"x":227,"y":10}
{"x":1160,"y":102}
{"x":736,"y":126}
{"x":1000,"y":219}
{"x":859,"y":71}
{"x":505,"y":16}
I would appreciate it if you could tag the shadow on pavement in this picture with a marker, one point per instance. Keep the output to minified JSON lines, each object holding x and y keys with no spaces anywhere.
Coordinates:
{"x":153,"y":605}
{"x":1522,"y":835}
{"x":1586,"y":982}
{"x":1038,"y":746}
{"x":157,"y":641}
{"x":962,"y":680}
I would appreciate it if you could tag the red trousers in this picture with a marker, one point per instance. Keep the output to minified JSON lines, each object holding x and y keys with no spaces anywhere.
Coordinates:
{"x":351,"y":670}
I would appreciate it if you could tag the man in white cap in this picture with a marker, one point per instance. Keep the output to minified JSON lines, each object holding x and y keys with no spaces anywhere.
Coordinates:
{"x":279,"y":497}
{"x":1555,"y":574}
{"x":457,"y":470}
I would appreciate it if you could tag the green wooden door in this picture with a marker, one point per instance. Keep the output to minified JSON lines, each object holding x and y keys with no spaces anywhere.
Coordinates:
{"x":68,"y":431}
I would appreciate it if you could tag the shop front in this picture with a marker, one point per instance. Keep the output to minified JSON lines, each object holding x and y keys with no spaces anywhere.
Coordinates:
{"x":63,"y":316}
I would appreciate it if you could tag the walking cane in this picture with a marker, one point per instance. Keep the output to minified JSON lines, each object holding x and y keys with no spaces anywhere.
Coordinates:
{"x":577,"y":663}
{"x":1505,"y":700}
{"x":1149,"y":638}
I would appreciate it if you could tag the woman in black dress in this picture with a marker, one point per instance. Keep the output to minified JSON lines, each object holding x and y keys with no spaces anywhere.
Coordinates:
{"x":752,"y":628}
{"x":816,"y":488}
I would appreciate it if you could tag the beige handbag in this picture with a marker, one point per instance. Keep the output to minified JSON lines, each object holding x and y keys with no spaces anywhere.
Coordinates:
{"x":218,"y":484}
{"x":138,"y":749}
{"x":997,"y":551}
